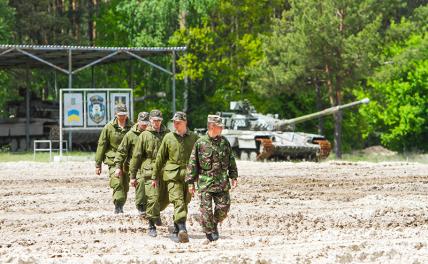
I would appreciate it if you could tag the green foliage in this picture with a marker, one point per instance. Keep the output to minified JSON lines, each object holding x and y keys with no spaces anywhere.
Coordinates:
{"x":398,"y":111}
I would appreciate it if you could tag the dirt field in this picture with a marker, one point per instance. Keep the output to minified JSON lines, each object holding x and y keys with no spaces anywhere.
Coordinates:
{"x":332,"y":212}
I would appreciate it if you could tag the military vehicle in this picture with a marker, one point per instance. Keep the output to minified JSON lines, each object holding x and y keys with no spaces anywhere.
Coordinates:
{"x":43,"y":125}
{"x":255,"y":136}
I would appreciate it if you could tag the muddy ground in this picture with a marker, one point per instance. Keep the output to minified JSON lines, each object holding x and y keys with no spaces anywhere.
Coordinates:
{"x":331,"y":212}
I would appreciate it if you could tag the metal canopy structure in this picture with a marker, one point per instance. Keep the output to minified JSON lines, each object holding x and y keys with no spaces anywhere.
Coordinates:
{"x":72,"y":59}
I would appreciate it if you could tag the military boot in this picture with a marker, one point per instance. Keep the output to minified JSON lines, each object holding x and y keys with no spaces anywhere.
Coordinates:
{"x":210,"y":237}
{"x":183,"y":237}
{"x":215,"y":235}
{"x":118,"y":208}
{"x":141,"y":210}
{"x":152,"y":229}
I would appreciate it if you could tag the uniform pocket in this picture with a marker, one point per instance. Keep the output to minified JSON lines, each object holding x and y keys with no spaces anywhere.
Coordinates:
{"x":205,"y":159}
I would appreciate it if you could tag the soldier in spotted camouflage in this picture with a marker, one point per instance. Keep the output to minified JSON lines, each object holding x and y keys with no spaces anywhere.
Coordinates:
{"x":211,"y":166}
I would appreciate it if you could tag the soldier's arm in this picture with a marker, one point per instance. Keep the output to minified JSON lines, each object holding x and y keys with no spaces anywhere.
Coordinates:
{"x":137,"y":157}
{"x":101,"y":148}
{"x":122,"y":152}
{"x":193,"y":166}
{"x":161,"y":158}
{"x":233,"y":170}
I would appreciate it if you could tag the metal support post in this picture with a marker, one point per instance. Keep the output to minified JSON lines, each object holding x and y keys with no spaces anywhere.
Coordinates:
{"x":173,"y":82}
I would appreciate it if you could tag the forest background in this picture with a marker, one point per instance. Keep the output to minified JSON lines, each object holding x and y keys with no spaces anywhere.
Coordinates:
{"x":287,"y":57}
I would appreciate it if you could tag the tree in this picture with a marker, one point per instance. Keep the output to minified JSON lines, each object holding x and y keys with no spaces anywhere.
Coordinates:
{"x":397,"y":114}
{"x":330,"y":44}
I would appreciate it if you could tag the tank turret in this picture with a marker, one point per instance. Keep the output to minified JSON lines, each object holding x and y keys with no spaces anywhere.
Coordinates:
{"x":258,"y":136}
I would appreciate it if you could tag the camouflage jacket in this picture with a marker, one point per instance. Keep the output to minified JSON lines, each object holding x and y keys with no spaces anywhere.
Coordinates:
{"x":110,"y":138}
{"x":174,"y":153}
{"x":145,"y":151}
{"x":212,"y":164}
{"x":126,"y":148}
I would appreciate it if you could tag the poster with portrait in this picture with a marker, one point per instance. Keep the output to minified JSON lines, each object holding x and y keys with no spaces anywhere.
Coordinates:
{"x":96,"y":109}
{"x":73,"y":109}
{"x":117,"y":98}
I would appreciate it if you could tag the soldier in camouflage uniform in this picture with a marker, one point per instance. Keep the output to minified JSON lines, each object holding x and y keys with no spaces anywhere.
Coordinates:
{"x":172,"y":158}
{"x":142,"y":159}
{"x":124,"y":155}
{"x":211,"y":165}
{"x":110,"y":138}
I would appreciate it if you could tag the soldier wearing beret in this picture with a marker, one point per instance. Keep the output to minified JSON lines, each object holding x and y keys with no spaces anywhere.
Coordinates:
{"x":124,"y":155}
{"x":110,"y":138}
{"x":212,"y":166}
{"x":170,"y":165}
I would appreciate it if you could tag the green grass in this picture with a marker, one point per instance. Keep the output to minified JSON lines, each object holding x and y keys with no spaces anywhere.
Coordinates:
{"x":43,"y":156}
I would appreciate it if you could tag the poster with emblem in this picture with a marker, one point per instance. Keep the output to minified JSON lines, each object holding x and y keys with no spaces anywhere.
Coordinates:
{"x":119,"y":98}
{"x":96,"y":108}
{"x":73,"y":109}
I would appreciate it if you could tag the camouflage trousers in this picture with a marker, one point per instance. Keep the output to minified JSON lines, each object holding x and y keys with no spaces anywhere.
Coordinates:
{"x":221,"y":208}
{"x":120,"y":186}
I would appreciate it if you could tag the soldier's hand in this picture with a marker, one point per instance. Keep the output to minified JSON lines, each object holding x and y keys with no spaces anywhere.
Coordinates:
{"x":118,"y":173}
{"x":192,"y":190}
{"x":134,"y":182}
{"x":234,"y":183}
{"x":98,"y":170}
{"x":154,"y":183}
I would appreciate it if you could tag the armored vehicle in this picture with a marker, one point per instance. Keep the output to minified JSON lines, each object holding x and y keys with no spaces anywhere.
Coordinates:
{"x":255,"y":136}
{"x":43,"y":124}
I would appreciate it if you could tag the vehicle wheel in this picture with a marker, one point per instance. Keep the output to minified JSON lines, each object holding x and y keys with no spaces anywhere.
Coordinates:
{"x":253,"y":156}
{"x":244,"y":155}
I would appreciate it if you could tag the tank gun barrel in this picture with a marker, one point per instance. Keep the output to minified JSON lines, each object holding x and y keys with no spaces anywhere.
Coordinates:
{"x":284,"y":123}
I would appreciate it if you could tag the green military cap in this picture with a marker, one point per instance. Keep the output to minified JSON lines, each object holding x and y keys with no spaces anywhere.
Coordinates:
{"x":120,"y":110}
{"x":156,"y":114}
{"x":143,"y":117}
{"x":215,"y":119}
{"x":179,"y":116}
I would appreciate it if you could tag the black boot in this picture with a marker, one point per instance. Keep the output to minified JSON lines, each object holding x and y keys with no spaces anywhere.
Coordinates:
{"x":183,"y":237}
{"x":152,"y":229}
{"x":215,"y":235}
{"x":141,"y":210}
{"x":158,"y":222}
{"x":118,"y":208}
{"x":210,"y":237}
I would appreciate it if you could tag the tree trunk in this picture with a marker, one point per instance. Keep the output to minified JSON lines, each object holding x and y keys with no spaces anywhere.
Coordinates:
{"x":335,"y":97}
{"x":319,"y":107}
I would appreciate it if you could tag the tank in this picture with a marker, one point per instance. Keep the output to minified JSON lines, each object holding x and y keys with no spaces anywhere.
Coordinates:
{"x":255,"y":136}
{"x":43,"y":125}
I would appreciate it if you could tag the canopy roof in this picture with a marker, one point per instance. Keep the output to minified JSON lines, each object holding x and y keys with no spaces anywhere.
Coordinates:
{"x":35,"y":56}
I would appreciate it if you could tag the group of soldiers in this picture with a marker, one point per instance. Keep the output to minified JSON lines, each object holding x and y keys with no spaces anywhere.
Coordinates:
{"x":168,"y":167}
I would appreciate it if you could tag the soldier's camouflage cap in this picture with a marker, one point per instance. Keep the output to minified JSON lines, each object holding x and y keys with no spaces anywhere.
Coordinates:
{"x":143,"y":117}
{"x":179,"y":116}
{"x":215,"y":119}
{"x":121,"y":110}
{"x":156,"y":115}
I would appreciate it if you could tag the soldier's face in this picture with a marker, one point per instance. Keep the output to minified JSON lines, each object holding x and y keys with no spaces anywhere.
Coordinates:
{"x":142,"y":125}
{"x":121,"y":118}
{"x":180,"y":126}
{"x":214,"y":130}
{"x":156,"y":124}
